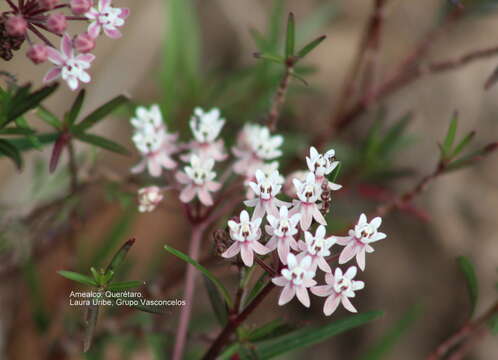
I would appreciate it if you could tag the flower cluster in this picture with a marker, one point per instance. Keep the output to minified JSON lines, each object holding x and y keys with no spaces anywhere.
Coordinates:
{"x":301,"y":251}
{"x":295,"y":229}
{"x":28,"y":19}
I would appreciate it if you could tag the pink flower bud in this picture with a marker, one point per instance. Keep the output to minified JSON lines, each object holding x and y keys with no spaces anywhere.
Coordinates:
{"x":48,"y":4}
{"x":38,"y":53}
{"x":84,"y":43}
{"x":16,"y":26}
{"x":80,"y":7}
{"x":57,"y":23}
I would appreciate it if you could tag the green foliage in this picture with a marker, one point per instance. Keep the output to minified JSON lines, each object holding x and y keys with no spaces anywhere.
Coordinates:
{"x":290,"y":38}
{"x":102,"y":142}
{"x":221,"y":288}
{"x":217,"y":302}
{"x":98,"y":114}
{"x":309,"y":336}
{"x":270,"y":330}
{"x":40,"y":316}
{"x":387,"y":342}
{"x":467,"y":268}
{"x":79,"y":278}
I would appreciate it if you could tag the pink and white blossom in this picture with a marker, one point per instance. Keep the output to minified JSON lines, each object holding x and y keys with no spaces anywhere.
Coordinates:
{"x":106,"y":18}
{"x":198,"y":179}
{"x":318,"y":248}
{"x":149,"y":198}
{"x":153,"y":141}
{"x":282,"y":230}
{"x":358,"y":241}
{"x":296,"y":279}
{"x":68,"y":65}
{"x":206,"y":127}
{"x":267,"y":169}
{"x":245,"y":235}
{"x":339,"y":289}
{"x":265,"y":189}
{"x":308,"y":193}
{"x":255,"y":145}
{"x":322,"y":165}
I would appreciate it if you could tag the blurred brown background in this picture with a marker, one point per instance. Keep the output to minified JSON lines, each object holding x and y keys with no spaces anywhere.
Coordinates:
{"x":415,"y":264}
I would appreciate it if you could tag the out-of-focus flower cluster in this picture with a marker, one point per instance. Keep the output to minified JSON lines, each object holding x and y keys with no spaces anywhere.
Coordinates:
{"x":295,"y":229}
{"x":33,"y":20}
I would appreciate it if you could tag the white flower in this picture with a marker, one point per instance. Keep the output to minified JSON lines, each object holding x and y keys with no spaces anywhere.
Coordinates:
{"x":323,"y":165}
{"x":282,"y":230}
{"x":255,"y":144}
{"x":318,"y":248}
{"x":69,"y":66}
{"x":308,"y":193}
{"x":199,"y":181}
{"x":107,"y":18}
{"x":149,"y":198}
{"x":340,"y":287}
{"x":153,"y":141}
{"x":206,"y":126}
{"x":245,"y":235}
{"x":296,"y":278}
{"x":266,"y":189}
{"x":359,"y":240}
{"x":267,"y":169}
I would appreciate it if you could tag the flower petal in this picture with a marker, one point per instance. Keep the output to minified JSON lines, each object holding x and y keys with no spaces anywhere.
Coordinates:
{"x":286,"y":295}
{"x":303,"y":296}
{"x":233,"y":250}
{"x":331,"y":304}
{"x":52,"y":74}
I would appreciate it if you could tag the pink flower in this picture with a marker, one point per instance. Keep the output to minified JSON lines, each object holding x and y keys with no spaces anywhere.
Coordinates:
{"x":106,"y":18}
{"x":38,"y":53}
{"x":80,"y":7}
{"x":359,"y":240}
{"x":282,"y":230}
{"x":57,"y":23}
{"x":296,"y":278}
{"x":16,"y":25}
{"x":318,"y":248}
{"x":149,"y":198}
{"x":198,"y":180}
{"x":340,"y":287}
{"x":153,"y":141}
{"x":322,"y":165}
{"x":267,"y":169}
{"x":245,"y":235}
{"x":266,"y":189}
{"x":308,"y":193}
{"x":69,"y":66}
{"x":84,"y":43}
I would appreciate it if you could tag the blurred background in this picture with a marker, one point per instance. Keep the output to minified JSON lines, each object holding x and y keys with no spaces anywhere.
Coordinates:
{"x":415,"y":266}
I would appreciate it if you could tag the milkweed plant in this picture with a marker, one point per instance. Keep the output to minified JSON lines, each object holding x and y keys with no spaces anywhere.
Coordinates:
{"x":267,"y":209}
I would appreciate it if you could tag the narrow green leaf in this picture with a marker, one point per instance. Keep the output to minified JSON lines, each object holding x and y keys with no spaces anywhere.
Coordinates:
{"x":270,"y":57}
{"x":202,"y":269}
{"x":290,"y":39}
{"x":217,"y":302}
{"x":9,"y":150}
{"x":48,"y":117}
{"x":450,"y":135}
{"x":96,"y":276}
{"x":90,"y":324}
{"x":16,"y":131}
{"x":335,"y":173}
{"x":467,"y":268}
{"x":385,"y":344}
{"x":24,"y":144}
{"x":23,"y":102}
{"x":119,"y":286}
{"x":75,"y":108}
{"x":463,"y":144}
{"x":270,"y":330}
{"x":119,"y":256}
{"x":310,"y":46}
{"x":394,"y":135}
{"x":309,"y":336}
{"x":80,"y":278}
{"x":258,"y":286}
{"x":100,"y":113}
{"x":102,"y":142}
{"x":297,"y":77}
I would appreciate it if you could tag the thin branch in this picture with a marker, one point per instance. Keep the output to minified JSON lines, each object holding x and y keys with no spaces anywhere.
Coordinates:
{"x":279,"y":98}
{"x":73,"y":167}
{"x":463,"y":335}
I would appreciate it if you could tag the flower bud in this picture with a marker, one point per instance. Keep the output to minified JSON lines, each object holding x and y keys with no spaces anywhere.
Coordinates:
{"x":149,"y":198}
{"x":84,"y":43}
{"x":16,"y":26}
{"x":48,"y":4}
{"x":80,"y":7}
{"x":57,"y":23}
{"x":38,"y":53}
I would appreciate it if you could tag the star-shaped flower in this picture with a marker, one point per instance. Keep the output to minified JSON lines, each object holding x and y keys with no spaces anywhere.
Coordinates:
{"x":266,"y":189}
{"x":68,"y":65}
{"x":245,"y":235}
{"x":318,"y":248}
{"x":322,"y":165}
{"x":107,"y":18}
{"x":296,"y":278}
{"x":282,"y":230}
{"x":340,"y":287}
{"x":308,"y":193}
{"x":359,"y":240}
